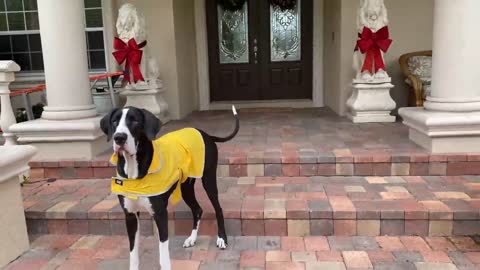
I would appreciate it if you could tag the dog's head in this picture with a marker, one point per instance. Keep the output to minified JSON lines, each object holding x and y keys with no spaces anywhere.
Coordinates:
{"x":128,"y":126}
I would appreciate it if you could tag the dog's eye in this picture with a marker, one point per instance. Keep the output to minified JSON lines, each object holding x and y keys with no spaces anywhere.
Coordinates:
{"x":115,"y":122}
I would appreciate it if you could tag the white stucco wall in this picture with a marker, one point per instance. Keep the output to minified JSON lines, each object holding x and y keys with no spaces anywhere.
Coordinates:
{"x":171,"y":41}
{"x":184,"y":22}
{"x":411,"y":28}
{"x":332,"y":52}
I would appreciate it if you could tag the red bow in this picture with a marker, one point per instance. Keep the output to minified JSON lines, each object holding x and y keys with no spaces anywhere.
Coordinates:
{"x":132,"y":54}
{"x":371,"y":43}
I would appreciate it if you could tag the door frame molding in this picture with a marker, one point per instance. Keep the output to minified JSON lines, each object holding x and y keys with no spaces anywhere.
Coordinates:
{"x":203,"y":81}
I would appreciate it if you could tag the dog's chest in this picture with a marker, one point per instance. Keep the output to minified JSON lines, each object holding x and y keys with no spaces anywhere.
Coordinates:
{"x":134,"y":206}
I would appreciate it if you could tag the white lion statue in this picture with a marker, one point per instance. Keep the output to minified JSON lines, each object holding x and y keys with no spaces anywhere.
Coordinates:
{"x":372,"y":14}
{"x":131,"y":24}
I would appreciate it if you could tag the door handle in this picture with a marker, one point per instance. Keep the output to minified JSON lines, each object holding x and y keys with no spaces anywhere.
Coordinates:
{"x":255,"y":50}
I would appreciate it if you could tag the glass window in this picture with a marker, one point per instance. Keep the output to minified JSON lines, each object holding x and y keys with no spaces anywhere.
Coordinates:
{"x":22,"y":59}
{"x":233,"y":35}
{"x":35,"y":43}
{"x":5,"y":46}
{"x":95,"y":40}
{"x":16,"y":21}
{"x":3,"y":22}
{"x":37,"y":61}
{"x":30,"y":5}
{"x":20,"y":43}
{"x":94,"y":17}
{"x":97,"y":59}
{"x":31,"y":21}
{"x":20,"y":35}
{"x":285,"y":33}
{"x":14,"y":5}
{"x":93,"y":3}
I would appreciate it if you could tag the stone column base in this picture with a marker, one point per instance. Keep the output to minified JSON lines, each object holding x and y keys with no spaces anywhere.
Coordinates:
{"x":371,"y":103}
{"x":56,"y":140}
{"x":150,"y":99}
{"x":443,"y":132}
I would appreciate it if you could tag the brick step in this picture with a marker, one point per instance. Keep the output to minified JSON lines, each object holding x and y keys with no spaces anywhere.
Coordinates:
{"x":293,"y":206}
{"x":304,"y":162}
{"x":262,"y":253}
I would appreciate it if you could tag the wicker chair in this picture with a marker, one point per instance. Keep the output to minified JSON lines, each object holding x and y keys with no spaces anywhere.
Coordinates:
{"x":416,"y":93}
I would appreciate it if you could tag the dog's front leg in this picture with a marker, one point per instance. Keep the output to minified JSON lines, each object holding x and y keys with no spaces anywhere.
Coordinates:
{"x":133,"y":230}
{"x":161,"y":220}
{"x":130,"y":208}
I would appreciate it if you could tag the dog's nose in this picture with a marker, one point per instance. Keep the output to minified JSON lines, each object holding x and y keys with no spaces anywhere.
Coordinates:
{"x":120,"y":138}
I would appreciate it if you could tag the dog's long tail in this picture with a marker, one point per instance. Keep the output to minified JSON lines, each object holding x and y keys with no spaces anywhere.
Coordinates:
{"x":232,"y":135}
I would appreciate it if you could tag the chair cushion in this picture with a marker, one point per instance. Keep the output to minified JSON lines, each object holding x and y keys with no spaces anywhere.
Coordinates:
{"x":427,"y":89}
{"x":422,"y":67}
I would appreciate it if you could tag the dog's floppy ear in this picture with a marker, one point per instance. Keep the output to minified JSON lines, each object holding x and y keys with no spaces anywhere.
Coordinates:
{"x":152,"y":125}
{"x":106,"y":124}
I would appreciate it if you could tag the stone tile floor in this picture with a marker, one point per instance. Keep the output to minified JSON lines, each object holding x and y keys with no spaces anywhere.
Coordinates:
{"x":278,"y":206}
{"x":78,"y":252}
{"x":320,"y":129}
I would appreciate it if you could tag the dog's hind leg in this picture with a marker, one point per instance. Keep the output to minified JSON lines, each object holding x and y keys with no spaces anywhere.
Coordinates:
{"x":133,"y":231}
{"x":209,"y":181}
{"x":188,"y":195}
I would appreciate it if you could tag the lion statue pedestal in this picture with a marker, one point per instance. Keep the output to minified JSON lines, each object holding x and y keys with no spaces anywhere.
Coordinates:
{"x":131,"y":45}
{"x":371,"y":103}
{"x":370,"y":100}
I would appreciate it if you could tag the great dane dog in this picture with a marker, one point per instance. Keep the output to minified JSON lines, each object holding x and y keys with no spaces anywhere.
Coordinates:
{"x":150,"y":170}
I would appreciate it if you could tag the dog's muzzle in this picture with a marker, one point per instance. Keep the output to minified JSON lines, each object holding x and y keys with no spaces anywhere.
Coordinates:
{"x":120,"y":139}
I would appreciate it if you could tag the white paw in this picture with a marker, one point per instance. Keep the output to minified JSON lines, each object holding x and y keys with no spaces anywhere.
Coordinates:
{"x":221,"y":243}
{"x":166,"y":267}
{"x":165,"y":264}
{"x":190,"y":242}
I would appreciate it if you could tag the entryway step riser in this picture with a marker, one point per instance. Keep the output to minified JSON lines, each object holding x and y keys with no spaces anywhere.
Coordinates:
{"x":449,"y":168}
{"x":262,"y":227}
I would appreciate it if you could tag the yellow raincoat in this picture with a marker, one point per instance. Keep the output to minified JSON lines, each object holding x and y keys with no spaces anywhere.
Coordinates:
{"x":176,"y":156}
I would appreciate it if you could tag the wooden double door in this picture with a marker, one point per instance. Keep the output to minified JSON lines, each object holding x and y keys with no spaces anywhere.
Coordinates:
{"x":260,"y":51}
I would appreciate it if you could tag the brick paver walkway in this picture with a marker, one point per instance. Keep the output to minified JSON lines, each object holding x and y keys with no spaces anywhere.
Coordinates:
{"x":74,"y":252}
{"x":293,"y":206}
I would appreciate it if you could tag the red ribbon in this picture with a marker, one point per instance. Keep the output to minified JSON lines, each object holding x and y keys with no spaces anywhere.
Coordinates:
{"x":131,"y":54}
{"x":372,"y":44}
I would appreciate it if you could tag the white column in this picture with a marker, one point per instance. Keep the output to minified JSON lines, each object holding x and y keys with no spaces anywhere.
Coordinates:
{"x":456,"y":55}
{"x":70,"y":126}
{"x":450,"y":121}
{"x":62,"y":31}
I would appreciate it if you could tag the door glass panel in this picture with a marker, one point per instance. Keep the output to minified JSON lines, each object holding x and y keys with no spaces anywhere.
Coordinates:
{"x":285,"y":40}
{"x":233,"y":35}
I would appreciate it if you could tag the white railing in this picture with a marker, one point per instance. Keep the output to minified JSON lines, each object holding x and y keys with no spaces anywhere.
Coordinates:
{"x":7,"y":117}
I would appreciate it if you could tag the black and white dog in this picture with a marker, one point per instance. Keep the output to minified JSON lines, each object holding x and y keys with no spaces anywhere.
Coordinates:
{"x":133,"y":131}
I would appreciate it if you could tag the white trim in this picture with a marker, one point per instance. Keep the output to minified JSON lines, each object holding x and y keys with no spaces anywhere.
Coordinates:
{"x":203,"y":77}
{"x":318,"y":43}
{"x":292,"y":103}
{"x":109,"y":31}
